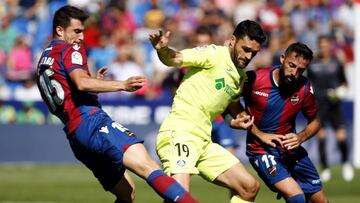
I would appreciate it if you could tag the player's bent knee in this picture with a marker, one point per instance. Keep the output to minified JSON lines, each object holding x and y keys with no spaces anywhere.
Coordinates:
{"x":250,"y":190}
{"x":300,"y":198}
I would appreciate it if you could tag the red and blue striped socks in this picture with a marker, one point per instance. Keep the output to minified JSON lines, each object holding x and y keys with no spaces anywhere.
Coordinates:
{"x":168,"y":188}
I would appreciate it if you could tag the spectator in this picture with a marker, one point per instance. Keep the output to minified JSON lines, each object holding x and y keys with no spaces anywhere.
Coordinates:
{"x":20,"y":62}
{"x":7,"y":112}
{"x":30,"y":115}
{"x":122,"y":68}
{"x":328,"y":78}
{"x":8,"y":33}
{"x":28,"y":91}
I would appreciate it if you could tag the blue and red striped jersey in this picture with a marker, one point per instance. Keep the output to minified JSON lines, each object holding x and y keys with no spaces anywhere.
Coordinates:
{"x":275,"y":108}
{"x":64,"y":100}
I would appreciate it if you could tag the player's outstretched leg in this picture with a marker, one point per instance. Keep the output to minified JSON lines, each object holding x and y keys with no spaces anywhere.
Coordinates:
{"x":138,"y":161}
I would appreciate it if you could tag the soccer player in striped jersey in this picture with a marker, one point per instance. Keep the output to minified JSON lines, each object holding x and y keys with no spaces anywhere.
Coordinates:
{"x":274,"y":96}
{"x":106,"y":147}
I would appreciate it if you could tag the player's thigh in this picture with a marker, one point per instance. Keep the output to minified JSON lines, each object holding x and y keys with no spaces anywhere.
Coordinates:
{"x":102,"y":151}
{"x":125,"y":188}
{"x":305,"y":174}
{"x":239,"y":180}
{"x":215,"y":160}
{"x":336,"y":117}
{"x":288,"y":187}
{"x":137,"y":159}
{"x":179,"y":152}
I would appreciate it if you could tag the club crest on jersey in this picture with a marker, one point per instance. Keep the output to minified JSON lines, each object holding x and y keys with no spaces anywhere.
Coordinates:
{"x":76,"y":58}
{"x":294,"y":99}
{"x":272,"y":170}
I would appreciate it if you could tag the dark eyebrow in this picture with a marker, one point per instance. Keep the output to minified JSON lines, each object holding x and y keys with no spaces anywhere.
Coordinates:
{"x":247,"y":49}
{"x":292,"y":64}
{"x":78,"y":30}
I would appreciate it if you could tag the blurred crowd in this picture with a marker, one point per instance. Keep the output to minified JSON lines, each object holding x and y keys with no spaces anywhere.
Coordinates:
{"x":117,"y":32}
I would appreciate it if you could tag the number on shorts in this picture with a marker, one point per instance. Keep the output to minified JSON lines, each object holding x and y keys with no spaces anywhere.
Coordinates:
{"x":51,"y":88}
{"x":182,"y":148}
{"x":266,"y":157}
{"x":122,"y":128}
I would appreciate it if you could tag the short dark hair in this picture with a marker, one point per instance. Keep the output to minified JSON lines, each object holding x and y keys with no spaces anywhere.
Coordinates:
{"x":204,"y":30}
{"x":251,"y":29}
{"x":326,"y":37}
{"x":300,"y":49}
{"x":63,"y":16}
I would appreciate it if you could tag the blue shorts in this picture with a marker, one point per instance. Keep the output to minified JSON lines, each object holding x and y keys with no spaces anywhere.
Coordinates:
{"x":298,"y":165}
{"x":222,"y":134}
{"x":100,"y":143}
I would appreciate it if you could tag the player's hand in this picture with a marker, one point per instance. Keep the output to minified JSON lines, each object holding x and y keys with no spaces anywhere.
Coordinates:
{"x":291,"y":141}
{"x":270,"y":139}
{"x":159,"y":40}
{"x":100,"y":73}
{"x":134,"y":83}
{"x":242,"y":122}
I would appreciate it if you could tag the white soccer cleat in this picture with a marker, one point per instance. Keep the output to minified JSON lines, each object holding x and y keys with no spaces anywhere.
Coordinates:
{"x":325,"y":175}
{"x":347,"y":172}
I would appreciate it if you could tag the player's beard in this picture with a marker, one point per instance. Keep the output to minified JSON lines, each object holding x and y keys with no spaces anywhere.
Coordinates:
{"x":287,"y":80}
{"x":235,"y":60}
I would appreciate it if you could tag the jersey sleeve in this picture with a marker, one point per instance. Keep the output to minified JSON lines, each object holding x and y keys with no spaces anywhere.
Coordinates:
{"x":309,"y":108}
{"x":198,"y":57}
{"x":75,"y":57}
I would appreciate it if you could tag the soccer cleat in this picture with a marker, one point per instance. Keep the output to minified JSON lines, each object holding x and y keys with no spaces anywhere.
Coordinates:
{"x":347,"y":172}
{"x":325,"y":175}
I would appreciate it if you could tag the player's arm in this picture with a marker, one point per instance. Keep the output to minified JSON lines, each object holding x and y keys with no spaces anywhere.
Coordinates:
{"x":240,"y":119}
{"x":292,"y":140}
{"x":166,"y":55}
{"x":309,"y":110}
{"x":236,"y":116}
{"x":84,"y":82}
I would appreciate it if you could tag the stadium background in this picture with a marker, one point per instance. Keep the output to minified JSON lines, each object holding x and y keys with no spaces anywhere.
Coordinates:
{"x":117,"y":37}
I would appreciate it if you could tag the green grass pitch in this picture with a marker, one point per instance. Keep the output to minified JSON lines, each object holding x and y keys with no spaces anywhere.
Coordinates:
{"x":25,"y":183}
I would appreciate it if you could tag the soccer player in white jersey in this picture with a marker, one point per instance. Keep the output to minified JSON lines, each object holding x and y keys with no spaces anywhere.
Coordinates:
{"x":211,"y":86}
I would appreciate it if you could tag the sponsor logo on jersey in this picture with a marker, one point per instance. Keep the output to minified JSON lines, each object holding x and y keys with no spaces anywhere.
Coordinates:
{"x":76,"y":58}
{"x":230,"y":92}
{"x":294,"y":99}
{"x":263,"y":94}
{"x":219,"y":83}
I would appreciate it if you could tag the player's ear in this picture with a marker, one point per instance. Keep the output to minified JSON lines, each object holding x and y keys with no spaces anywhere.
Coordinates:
{"x":59,"y":31}
{"x":232,"y":41}
{"x":282,"y":58}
